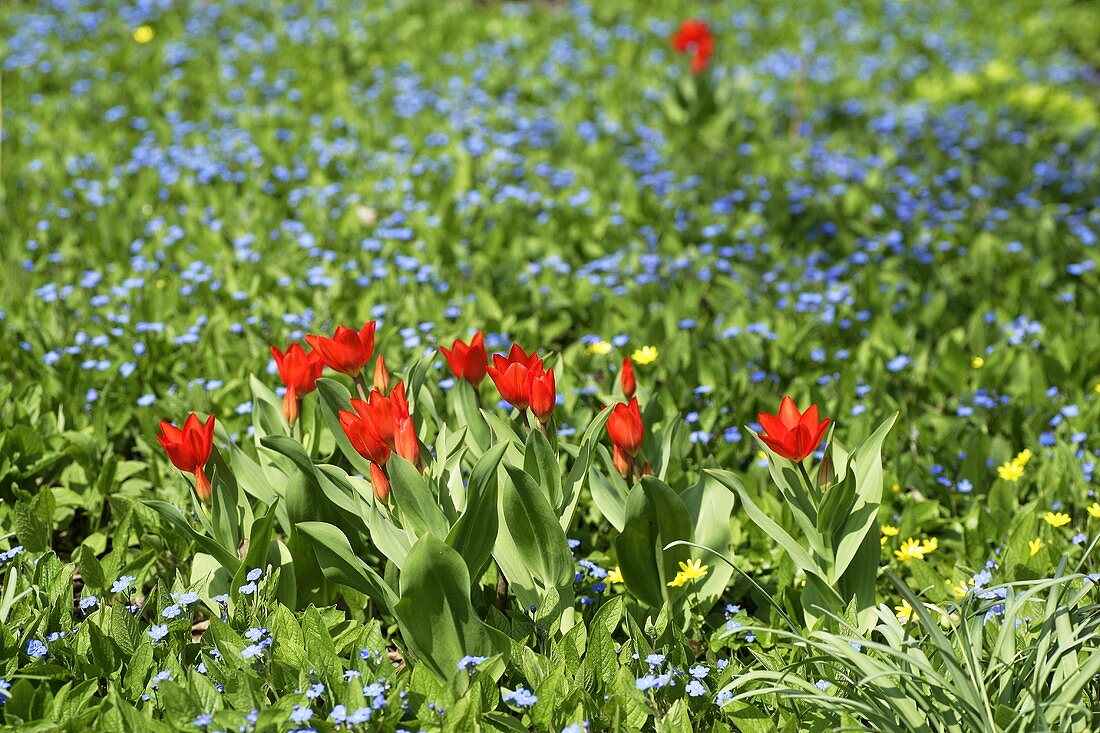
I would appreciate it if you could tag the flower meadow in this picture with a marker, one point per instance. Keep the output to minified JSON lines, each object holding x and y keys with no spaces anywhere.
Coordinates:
{"x":559,"y":367}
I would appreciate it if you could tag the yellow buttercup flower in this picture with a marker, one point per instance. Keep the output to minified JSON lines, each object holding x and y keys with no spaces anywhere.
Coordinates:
{"x":888,"y":531}
{"x":1010,"y":471}
{"x":1035,"y":545}
{"x":904,"y":612}
{"x":143,"y":34}
{"x":690,"y":570}
{"x":977,"y":362}
{"x":1094,"y":510}
{"x":961,"y":588}
{"x":929,"y":546}
{"x":895,"y":487}
{"x":645,"y":355}
{"x":615,"y":576}
{"x":1022,"y":457}
{"x":911,"y":549}
{"x":1056,"y":519}
{"x":600,"y":348}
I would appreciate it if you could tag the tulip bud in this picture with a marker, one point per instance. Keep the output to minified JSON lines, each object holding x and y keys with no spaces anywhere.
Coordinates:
{"x":290,"y":405}
{"x":626,"y":378}
{"x":826,"y":476}
{"x":381,"y":375}
{"x":623,"y":461}
{"x":202,"y":486}
{"x":380,"y":482}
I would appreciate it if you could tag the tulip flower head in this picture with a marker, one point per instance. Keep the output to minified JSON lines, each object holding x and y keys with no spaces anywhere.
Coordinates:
{"x":626,"y":430}
{"x":792,"y":434}
{"x":694,"y":37}
{"x":468,"y":361}
{"x":380,"y":426}
{"x":348,"y":351}
{"x":543,"y":394}
{"x":513,"y":375}
{"x":299,"y":371}
{"x":188,"y":449}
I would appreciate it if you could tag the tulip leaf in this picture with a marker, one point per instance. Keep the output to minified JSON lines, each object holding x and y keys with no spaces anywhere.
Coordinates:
{"x":541,"y":462}
{"x":436,"y":617}
{"x":341,"y":564}
{"x":770,"y":527}
{"x":866,"y":465}
{"x":475,"y":532}
{"x":419,"y":507}
{"x":224,"y":555}
{"x":655,"y":517}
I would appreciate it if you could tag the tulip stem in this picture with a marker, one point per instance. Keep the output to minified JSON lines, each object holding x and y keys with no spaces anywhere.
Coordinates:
{"x":358,"y":379}
{"x":810,"y":486}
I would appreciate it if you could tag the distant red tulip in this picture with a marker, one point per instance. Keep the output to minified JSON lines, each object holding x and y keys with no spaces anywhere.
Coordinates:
{"x":381,"y":375}
{"x":626,"y":378}
{"x":792,"y":434}
{"x":381,"y":425}
{"x":543,"y":394}
{"x":625,"y":427}
{"x":189,"y":449}
{"x":348,"y":351}
{"x":299,"y":371}
{"x":513,"y":374}
{"x":694,"y":37}
{"x":468,"y":361}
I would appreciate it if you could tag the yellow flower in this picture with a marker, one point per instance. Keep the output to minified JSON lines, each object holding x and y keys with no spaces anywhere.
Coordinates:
{"x":904,"y":612}
{"x":1056,"y":520}
{"x":600,"y":348}
{"x":1094,"y":510}
{"x":694,"y":569}
{"x":888,"y":531}
{"x":929,"y":546}
{"x":143,"y":34}
{"x":1022,"y":457}
{"x":895,"y":487}
{"x":962,"y":588}
{"x":761,"y":455}
{"x":645,"y":355}
{"x":977,"y":362}
{"x":690,"y":570}
{"x":1010,"y":471}
{"x":1096,"y":388}
{"x":910,"y":550}
{"x":615,"y":576}
{"x":1035,"y":545}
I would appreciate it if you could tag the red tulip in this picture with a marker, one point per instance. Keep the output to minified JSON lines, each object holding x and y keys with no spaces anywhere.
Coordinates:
{"x":381,"y":425}
{"x":625,"y":427}
{"x":189,"y":449}
{"x":543,"y":394}
{"x":348,"y":351}
{"x":363,"y":433}
{"x":792,"y":434}
{"x":626,"y":378}
{"x":299,"y":371}
{"x":468,"y":361}
{"x":694,"y":37}
{"x":513,"y":374}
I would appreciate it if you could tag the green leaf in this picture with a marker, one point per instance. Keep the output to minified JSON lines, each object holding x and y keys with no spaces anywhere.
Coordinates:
{"x":866,"y":464}
{"x":436,"y":617}
{"x":655,"y":517}
{"x":420,"y":512}
{"x":475,"y":532}
{"x":225,"y":556}
{"x":340,"y":563}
